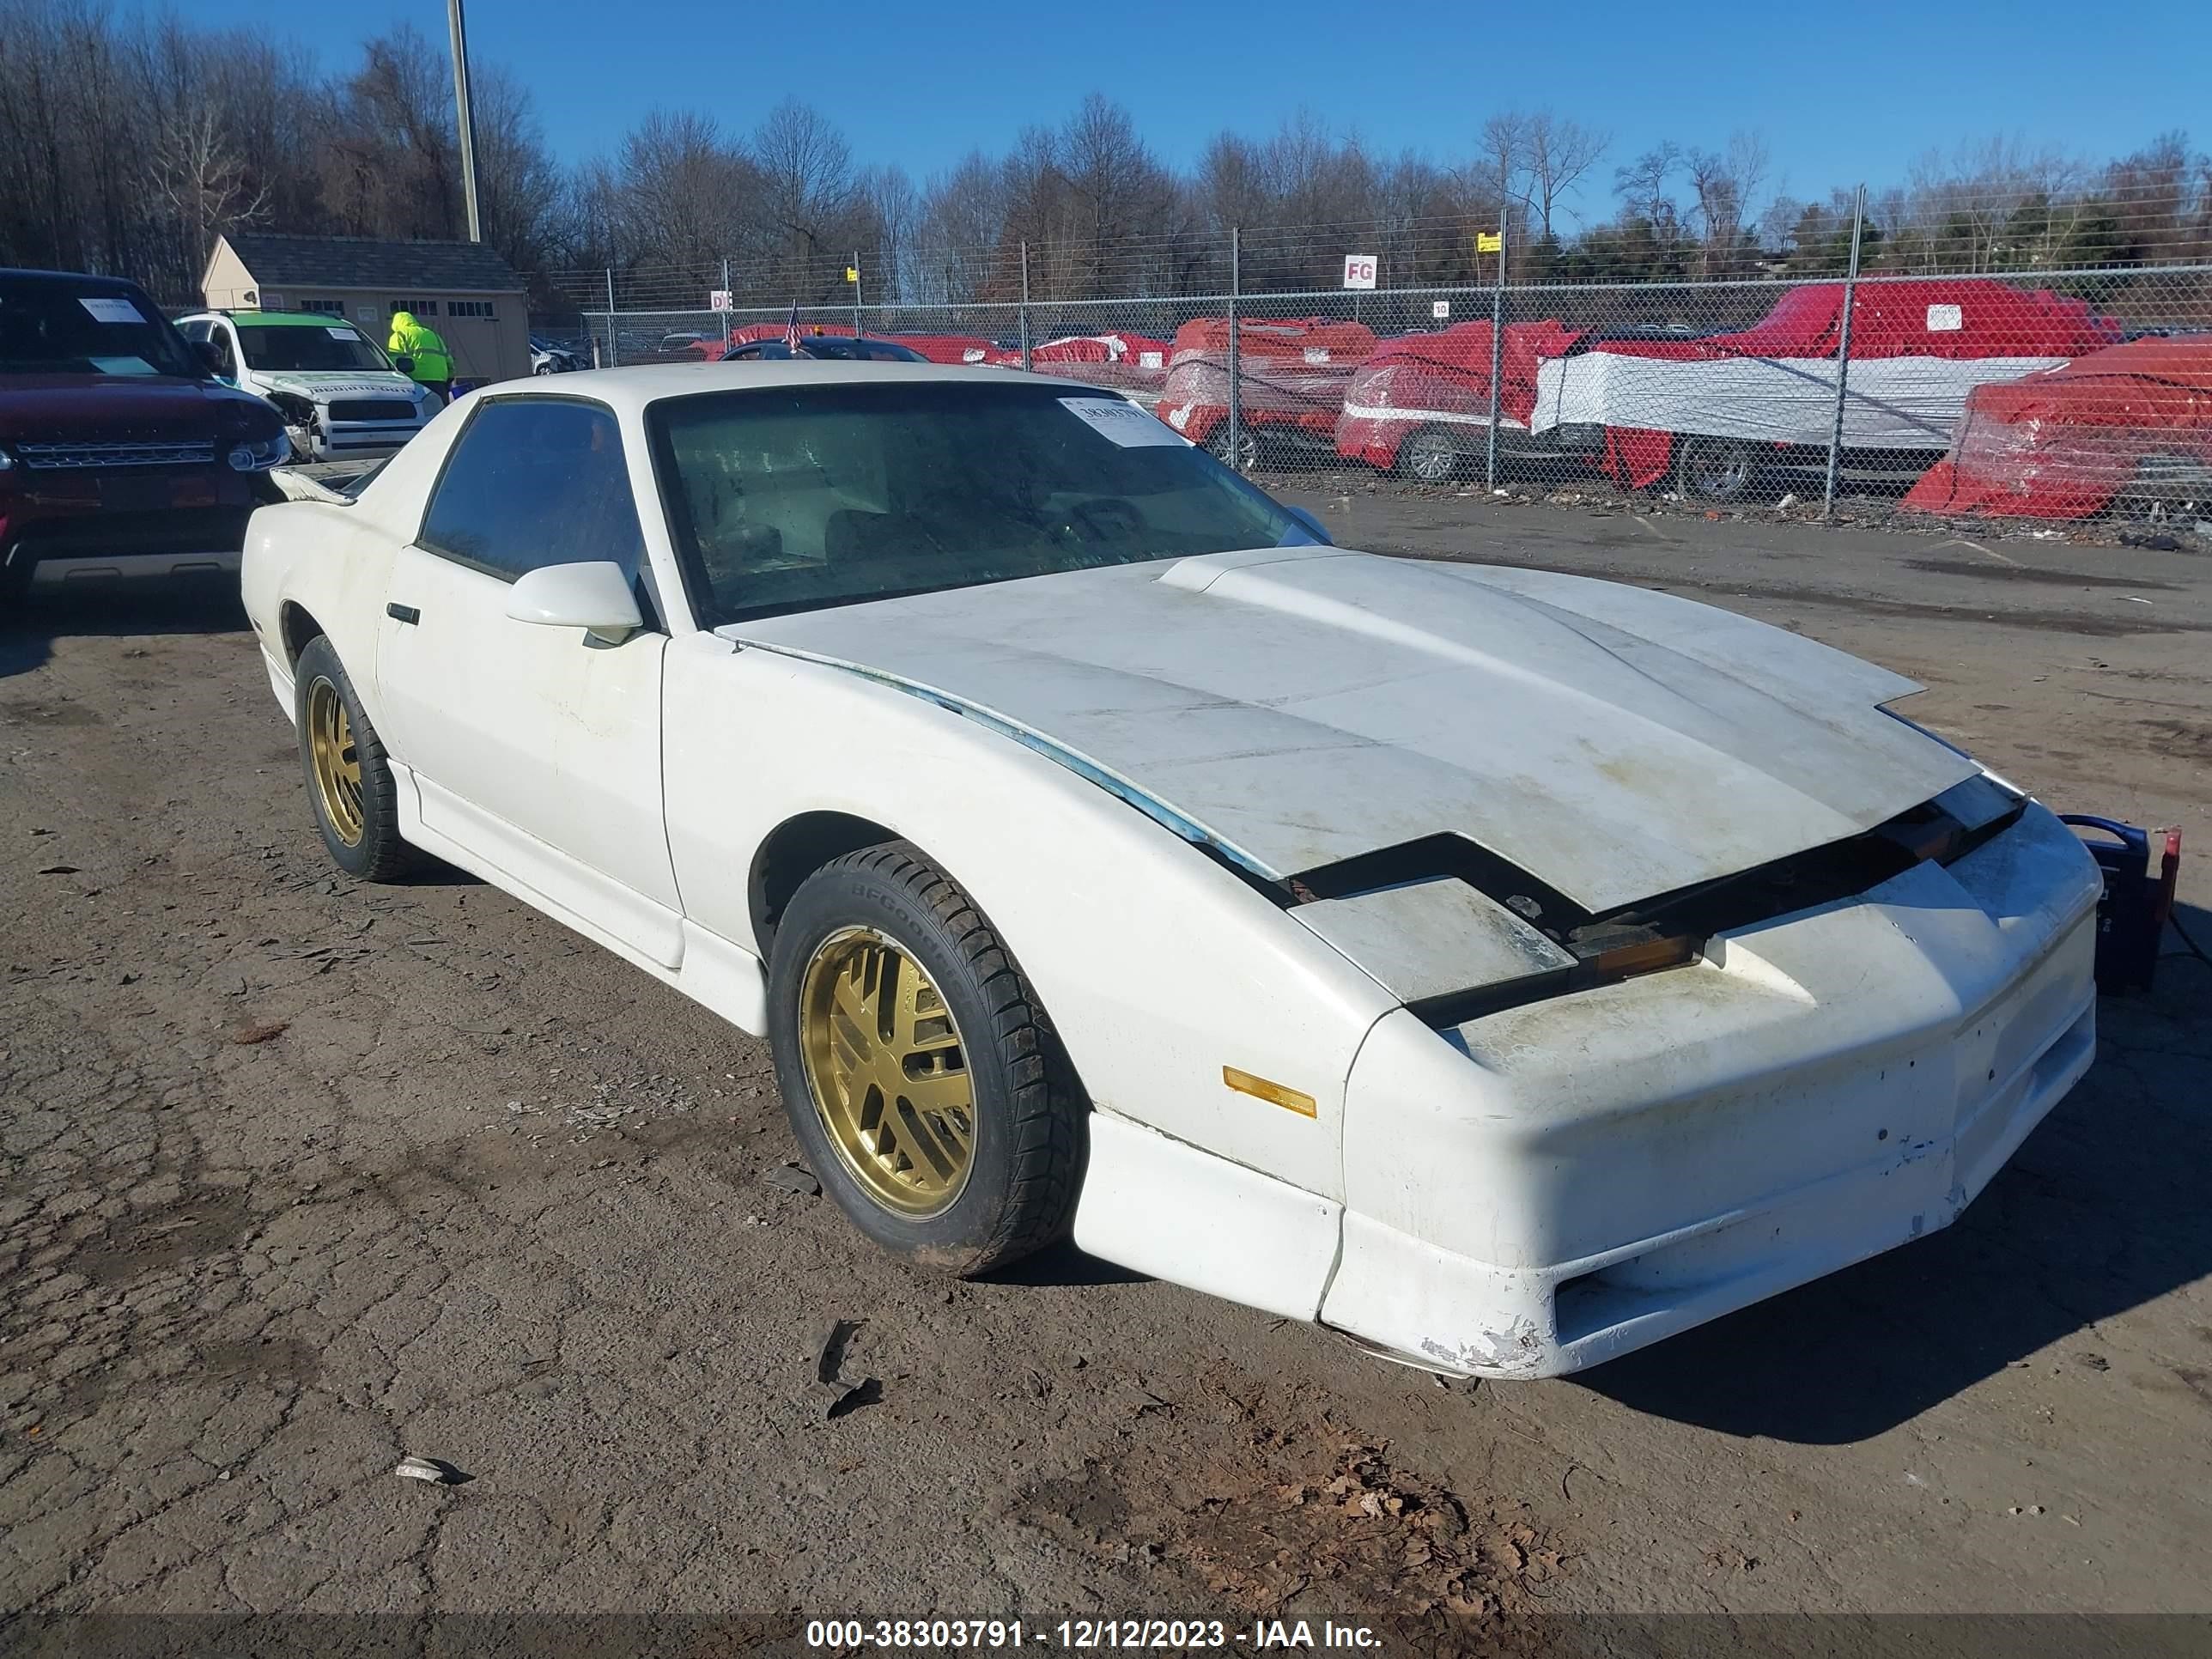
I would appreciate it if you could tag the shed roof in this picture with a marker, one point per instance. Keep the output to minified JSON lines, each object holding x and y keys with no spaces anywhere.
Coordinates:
{"x":278,"y":261}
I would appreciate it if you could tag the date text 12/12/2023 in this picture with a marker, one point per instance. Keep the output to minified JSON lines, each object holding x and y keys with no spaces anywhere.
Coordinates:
{"x":1085,"y":1634}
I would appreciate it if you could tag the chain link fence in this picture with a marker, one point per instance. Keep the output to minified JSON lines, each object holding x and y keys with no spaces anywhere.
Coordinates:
{"x":1927,"y":380}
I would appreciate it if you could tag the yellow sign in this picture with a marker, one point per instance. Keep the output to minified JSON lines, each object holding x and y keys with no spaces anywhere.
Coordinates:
{"x":852,"y":273}
{"x":1489,"y":241}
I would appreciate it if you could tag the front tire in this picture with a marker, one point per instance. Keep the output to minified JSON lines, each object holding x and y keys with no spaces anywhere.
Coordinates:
{"x":917,"y":1068}
{"x":1430,"y":457}
{"x":1236,"y":447}
{"x":349,"y":781}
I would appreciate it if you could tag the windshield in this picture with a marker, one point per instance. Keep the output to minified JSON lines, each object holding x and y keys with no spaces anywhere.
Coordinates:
{"x":292,"y":348}
{"x":790,"y":498}
{"x":64,"y":325}
{"x":831,"y":348}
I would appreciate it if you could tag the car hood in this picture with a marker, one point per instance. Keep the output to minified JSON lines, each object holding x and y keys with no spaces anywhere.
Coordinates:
{"x":58,"y":408}
{"x":1301,"y":706}
{"x":320,"y":386}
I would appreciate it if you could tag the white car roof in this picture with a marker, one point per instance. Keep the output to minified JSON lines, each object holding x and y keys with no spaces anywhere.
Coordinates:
{"x":628,"y":391}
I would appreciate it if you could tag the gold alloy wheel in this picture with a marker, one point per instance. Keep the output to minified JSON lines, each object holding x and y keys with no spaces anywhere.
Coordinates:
{"x":335,"y":761}
{"x":887,"y":1073}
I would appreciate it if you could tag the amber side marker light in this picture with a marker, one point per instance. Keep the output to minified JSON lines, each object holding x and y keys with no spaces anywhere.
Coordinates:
{"x":1645,"y":957}
{"x":1274,"y":1093}
{"x":1606,"y":967}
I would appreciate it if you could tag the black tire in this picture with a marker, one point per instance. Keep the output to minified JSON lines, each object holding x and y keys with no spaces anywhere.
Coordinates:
{"x":1429,"y":456}
{"x":1713,"y":472}
{"x":376,"y":852}
{"x":1237,"y":447}
{"x":1029,"y":1137}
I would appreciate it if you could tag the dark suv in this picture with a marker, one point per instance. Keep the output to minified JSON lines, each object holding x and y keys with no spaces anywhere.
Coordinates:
{"x":120,"y":453}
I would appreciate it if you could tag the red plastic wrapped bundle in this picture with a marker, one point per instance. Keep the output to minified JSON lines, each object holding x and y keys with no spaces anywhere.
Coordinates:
{"x":1442,"y":378}
{"x":1127,"y":362}
{"x":2132,"y":420}
{"x":1918,"y":347}
{"x":1291,"y":375}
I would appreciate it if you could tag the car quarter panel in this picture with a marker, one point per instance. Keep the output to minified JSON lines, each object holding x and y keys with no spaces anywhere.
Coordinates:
{"x":336,"y":567}
{"x":1158,"y":967}
{"x":1541,"y":1187}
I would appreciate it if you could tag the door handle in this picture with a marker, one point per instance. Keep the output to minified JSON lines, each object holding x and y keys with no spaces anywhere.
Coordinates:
{"x":406,"y":613}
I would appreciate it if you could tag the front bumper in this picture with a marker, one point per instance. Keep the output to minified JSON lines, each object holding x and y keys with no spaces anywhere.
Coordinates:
{"x":1550,"y":1187}
{"x":97,"y":545}
{"x":339,"y":441}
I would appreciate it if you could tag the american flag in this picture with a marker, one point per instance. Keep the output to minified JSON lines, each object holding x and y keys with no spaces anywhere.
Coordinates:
{"x":791,"y":330}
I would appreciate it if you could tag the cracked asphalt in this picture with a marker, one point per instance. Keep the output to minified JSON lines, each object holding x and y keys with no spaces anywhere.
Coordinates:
{"x":299,"y":1176}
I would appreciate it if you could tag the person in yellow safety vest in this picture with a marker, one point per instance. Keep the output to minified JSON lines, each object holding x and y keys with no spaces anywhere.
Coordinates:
{"x":433,"y":365}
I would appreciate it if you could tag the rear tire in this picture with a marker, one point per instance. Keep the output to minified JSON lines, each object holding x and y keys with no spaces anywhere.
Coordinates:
{"x":349,"y":781}
{"x":1713,"y":472}
{"x":917,"y":1068}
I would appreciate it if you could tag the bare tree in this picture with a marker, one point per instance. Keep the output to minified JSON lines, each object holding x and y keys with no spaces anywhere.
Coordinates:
{"x":203,"y":181}
{"x":1722,"y":183}
{"x":806,"y":168}
{"x":1504,"y":152}
{"x":892,"y":208}
{"x":963,"y":222}
{"x":1561,"y":152}
{"x":684,"y":192}
{"x":1642,"y":184}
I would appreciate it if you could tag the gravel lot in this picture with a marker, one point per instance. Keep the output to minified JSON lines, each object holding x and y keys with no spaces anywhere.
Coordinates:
{"x":302,"y":1177}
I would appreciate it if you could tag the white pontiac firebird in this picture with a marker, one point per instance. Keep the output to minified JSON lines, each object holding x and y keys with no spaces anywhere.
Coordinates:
{"x":1504,"y":968}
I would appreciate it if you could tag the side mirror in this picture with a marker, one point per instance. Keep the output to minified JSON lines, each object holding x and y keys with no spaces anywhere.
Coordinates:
{"x":405,"y":365}
{"x":1313,"y":525}
{"x":594,"y":596}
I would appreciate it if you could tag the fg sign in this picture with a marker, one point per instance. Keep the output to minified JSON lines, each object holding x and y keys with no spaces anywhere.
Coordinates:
{"x":1359,"y":270}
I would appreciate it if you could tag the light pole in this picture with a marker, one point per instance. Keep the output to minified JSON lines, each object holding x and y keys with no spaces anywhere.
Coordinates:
{"x":464,"y":110}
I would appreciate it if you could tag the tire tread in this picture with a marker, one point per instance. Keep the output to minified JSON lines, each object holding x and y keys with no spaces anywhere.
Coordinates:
{"x":382,"y":855}
{"x":1047,"y":1116}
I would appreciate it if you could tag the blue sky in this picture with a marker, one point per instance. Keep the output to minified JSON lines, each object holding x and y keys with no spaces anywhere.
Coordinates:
{"x":1842,"y":91}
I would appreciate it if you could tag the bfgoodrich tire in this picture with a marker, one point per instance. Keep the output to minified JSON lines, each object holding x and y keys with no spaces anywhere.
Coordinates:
{"x":917,"y":1068}
{"x":350,"y":782}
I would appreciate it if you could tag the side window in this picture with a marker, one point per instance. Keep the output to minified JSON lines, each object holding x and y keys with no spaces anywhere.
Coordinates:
{"x":533,"y":482}
{"x":226,"y":359}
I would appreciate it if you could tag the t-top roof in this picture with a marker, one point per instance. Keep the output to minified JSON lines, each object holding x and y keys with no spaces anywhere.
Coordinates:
{"x":341,"y":262}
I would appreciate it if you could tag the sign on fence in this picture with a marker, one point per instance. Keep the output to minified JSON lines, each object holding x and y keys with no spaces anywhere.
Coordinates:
{"x":1489,"y":241}
{"x":718,"y":300}
{"x":1440,"y":309}
{"x":1359,"y":270}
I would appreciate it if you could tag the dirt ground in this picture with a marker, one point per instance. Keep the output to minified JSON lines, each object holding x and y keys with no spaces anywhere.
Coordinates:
{"x":302,"y":1177}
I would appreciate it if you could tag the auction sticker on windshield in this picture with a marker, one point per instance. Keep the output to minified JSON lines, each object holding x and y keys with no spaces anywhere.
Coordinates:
{"x":112,"y":311}
{"x":1124,"y":423}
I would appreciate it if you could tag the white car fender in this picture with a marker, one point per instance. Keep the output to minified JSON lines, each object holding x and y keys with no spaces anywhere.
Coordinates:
{"x":1158,"y":967}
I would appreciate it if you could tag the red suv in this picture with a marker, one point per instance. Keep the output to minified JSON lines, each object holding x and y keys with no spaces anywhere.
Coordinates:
{"x":120,"y":453}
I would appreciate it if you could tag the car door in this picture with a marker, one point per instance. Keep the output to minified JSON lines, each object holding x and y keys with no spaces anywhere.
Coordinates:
{"x":535,"y":749}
